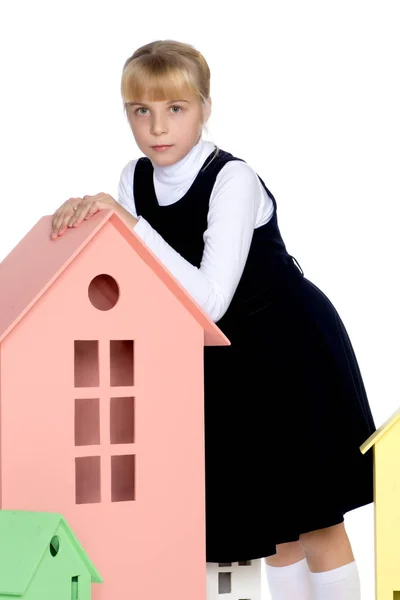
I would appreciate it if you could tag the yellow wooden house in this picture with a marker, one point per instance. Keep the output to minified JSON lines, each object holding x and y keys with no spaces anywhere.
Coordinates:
{"x":386,"y":447}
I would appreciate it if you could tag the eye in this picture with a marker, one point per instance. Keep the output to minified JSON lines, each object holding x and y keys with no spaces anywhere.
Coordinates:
{"x":143,"y":108}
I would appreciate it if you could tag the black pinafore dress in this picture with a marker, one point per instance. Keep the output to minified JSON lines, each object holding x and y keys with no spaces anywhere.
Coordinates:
{"x":285,"y":405}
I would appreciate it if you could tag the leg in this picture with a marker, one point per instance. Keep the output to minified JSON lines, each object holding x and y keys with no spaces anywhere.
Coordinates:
{"x":333,"y":570}
{"x":287,"y":573}
{"x":286,"y":554}
{"x":327,"y":548}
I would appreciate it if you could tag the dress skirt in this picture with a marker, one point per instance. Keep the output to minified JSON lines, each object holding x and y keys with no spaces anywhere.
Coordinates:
{"x":285,"y":414}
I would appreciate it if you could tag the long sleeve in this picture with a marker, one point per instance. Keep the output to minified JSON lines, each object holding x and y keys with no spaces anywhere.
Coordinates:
{"x":232,"y":217}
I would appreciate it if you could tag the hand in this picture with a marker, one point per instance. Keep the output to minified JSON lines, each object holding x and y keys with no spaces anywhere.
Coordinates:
{"x":76,"y":210}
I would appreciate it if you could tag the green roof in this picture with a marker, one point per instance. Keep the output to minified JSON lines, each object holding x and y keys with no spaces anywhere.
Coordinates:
{"x":24,"y":538}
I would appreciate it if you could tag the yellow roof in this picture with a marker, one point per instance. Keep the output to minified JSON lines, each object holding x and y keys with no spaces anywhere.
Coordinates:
{"x":383,"y":429}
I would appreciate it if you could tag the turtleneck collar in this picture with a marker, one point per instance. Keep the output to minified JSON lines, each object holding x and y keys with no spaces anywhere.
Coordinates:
{"x":184,"y":169}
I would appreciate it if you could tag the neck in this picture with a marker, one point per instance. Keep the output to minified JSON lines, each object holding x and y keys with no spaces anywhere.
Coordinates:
{"x":182,"y":167}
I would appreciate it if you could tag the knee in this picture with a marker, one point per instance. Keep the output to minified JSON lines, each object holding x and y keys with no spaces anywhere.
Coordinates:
{"x":316,"y":541}
{"x":286,"y":554}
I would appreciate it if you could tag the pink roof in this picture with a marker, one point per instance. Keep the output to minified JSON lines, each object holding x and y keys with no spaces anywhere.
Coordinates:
{"x":37,"y":261}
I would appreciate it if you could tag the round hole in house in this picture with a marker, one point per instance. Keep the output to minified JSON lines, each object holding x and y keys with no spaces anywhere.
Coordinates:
{"x":54,"y":545}
{"x":103,"y":292}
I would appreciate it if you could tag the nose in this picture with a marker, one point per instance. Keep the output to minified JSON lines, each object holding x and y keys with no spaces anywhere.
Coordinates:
{"x":158,"y":125}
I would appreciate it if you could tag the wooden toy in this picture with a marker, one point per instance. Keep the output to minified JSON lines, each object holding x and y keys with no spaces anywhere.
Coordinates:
{"x":41,"y":559}
{"x":102,"y":403}
{"x":240,"y":580}
{"x":385,"y":444}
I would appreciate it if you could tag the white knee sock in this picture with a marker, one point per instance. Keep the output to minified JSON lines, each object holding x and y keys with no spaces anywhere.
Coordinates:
{"x":342,"y":583}
{"x":291,"y":582}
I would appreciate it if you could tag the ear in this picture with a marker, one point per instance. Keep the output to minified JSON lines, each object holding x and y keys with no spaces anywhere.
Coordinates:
{"x":207,"y":109}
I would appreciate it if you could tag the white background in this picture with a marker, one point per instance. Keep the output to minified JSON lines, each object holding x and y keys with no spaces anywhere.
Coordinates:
{"x":306,"y":92}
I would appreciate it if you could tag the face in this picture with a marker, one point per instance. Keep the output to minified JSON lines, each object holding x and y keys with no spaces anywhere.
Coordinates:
{"x":177,"y":123}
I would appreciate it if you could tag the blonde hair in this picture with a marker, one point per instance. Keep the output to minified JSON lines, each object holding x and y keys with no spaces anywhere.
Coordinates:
{"x":166,"y":69}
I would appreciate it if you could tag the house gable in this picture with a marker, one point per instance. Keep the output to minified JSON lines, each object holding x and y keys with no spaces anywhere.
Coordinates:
{"x":52,"y":258}
{"x":24,"y":538}
{"x":380,"y":432}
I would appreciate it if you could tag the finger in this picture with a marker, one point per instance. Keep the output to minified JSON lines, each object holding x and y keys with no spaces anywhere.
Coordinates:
{"x":74,"y":203}
{"x":92,"y":210}
{"x":57,"y":221}
{"x":101,"y":201}
{"x":62,"y":223}
{"x":96,"y":196}
{"x":76,"y":215}
{"x":55,"y":218}
{"x":63,"y":226}
{"x":79,"y":215}
{"x":58,"y":215}
{"x":65,"y":210}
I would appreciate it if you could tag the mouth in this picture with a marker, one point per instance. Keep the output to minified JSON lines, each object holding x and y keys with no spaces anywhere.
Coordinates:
{"x":163,"y":146}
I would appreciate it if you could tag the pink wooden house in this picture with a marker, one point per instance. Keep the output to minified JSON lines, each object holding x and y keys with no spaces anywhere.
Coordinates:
{"x":101,"y":404}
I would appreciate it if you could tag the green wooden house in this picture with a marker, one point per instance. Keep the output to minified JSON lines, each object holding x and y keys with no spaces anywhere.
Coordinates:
{"x":41,"y":559}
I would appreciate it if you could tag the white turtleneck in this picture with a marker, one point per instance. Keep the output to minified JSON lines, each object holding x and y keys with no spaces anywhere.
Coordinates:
{"x":238,"y":204}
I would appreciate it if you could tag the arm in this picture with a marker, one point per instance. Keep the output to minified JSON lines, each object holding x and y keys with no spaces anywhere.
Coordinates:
{"x":231,"y":220}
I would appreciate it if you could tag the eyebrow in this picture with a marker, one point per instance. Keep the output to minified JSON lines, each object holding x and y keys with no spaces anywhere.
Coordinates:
{"x":142,"y":103}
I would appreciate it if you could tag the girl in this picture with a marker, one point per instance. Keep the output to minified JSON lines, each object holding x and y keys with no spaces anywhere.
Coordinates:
{"x":285,"y":405}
